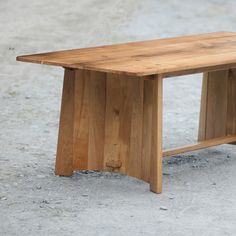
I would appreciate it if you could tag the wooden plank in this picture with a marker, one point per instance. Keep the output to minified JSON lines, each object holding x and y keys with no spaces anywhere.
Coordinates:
{"x":97,"y":96}
{"x":147,"y":130}
{"x":213,"y":115}
{"x":114,"y":102}
{"x":135,"y":152}
{"x":231,"y":108}
{"x":123,"y":124}
{"x":166,"y":57}
{"x":203,"y":109}
{"x":64,"y":157}
{"x":81,"y":121}
{"x":218,"y":107}
{"x":200,"y":145}
{"x":89,"y":120}
{"x":100,"y":51}
{"x":124,"y":120}
{"x":156,"y":149}
{"x":217,"y":104}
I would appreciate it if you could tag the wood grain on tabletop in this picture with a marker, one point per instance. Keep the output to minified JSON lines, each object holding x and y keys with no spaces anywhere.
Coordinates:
{"x":165,"y":57}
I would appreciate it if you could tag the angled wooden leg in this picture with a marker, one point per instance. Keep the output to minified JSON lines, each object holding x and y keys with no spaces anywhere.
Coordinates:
{"x":89,"y":120}
{"x":156,"y":148}
{"x":64,"y":158}
{"x":218,"y":107}
{"x":231,"y":107}
{"x":111,"y":122}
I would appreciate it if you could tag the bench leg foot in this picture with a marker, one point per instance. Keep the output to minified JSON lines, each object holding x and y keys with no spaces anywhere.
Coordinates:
{"x":64,"y":157}
{"x":156,"y":148}
{"x":218,"y":106}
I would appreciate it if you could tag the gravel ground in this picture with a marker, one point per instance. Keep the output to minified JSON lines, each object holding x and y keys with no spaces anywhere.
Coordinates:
{"x":199,"y":187}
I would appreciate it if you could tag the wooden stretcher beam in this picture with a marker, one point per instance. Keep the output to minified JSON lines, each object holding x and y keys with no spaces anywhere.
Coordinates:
{"x":200,"y":145}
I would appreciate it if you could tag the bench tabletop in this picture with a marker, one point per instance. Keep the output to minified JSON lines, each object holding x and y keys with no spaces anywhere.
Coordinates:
{"x":164,"y":57}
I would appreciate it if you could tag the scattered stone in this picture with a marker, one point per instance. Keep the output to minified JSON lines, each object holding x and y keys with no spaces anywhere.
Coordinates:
{"x":214,"y":183}
{"x":228,"y":156}
{"x":97,"y":174}
{"x":166,"y":174}
{"x":38,"y":187}
{"x":11,"y":48}
{"x":163,"y":208}
{"x":12,"y":93}
{"x":21,"y":148}
{"x":3,"y":198}
{"x":171,"y":198}
{"x":84,"y":195}
{"x":195,"y":166}
{"x":45,"y":202}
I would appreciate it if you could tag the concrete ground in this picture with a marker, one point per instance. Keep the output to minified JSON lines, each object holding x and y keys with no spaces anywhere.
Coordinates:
{"x":199,"y":187}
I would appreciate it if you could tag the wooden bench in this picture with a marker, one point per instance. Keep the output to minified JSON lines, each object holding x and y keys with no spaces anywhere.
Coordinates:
{"x":111,"y":112}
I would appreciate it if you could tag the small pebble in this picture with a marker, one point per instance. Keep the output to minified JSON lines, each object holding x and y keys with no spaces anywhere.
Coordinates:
{"x":171,"y":198}
{"x":38,"y":187}
{"x":166,"y":174}
{"x":45,"y":202}
{"x":163,"y":208}
{"x":84,"y":195}
{"x":214,"y":183}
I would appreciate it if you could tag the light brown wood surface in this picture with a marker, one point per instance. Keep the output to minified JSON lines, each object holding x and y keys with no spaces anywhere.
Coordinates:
{"x":111,"y":122}
{"x":165,"y":57}
{"x":64,"y":158}
{"x":200,"y":145}
{"x":156,"y":148}
{"x":231,"y":103}
{"x":218,"y":105}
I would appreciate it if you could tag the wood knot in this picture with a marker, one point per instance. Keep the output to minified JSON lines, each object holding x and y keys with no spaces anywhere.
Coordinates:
{"x":116,"y":111}
{"x":114,"y":164}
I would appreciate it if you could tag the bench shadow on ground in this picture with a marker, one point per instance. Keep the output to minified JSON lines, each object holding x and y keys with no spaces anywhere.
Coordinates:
{"x":175,"y":168}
